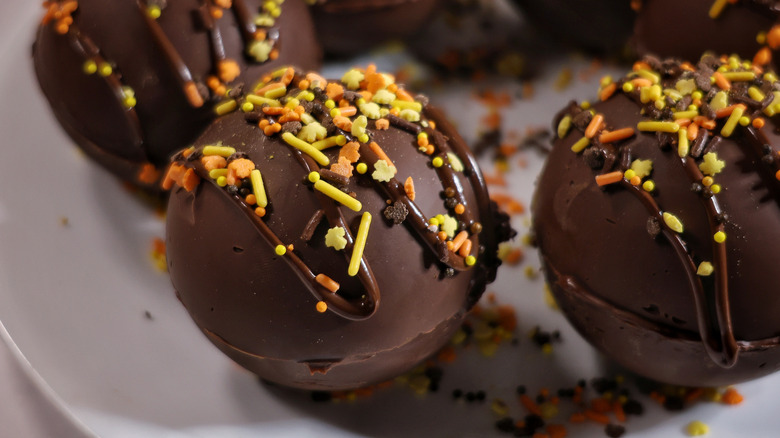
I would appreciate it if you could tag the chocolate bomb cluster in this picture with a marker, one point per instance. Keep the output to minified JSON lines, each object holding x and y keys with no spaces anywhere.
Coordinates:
{"x":657,"y":219}
{"x":132,"y":81}
{"x":330,"y":234}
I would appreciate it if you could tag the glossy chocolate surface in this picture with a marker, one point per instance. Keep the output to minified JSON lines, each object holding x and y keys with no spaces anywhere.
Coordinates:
{"x":260,"y":308}
{"x":668,"y":28}
{"x":165,"y":63}
{"x":629,"y":282}
{"x":346,"y":27}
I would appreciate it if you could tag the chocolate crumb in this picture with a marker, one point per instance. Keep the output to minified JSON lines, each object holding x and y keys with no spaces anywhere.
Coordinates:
{"x":396,"y":213}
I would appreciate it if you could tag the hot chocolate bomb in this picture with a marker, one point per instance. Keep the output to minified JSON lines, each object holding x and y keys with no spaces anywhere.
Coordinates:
{"x":132,"y":82}
{"x":330,"y":234}
{"x":657,"y":216}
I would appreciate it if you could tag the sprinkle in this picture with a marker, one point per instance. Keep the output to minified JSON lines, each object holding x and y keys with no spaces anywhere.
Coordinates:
{"x":470,"y":260}
{"x":707,"y":181}
{"x":374,"y":146}
{"x":383,"y":172}
{"x":223,"y":151}
{"x":280,"y":250}
{"x":594,"y":125}
{"x":658,"y":126}
{"x":457,"y":242}
{"x":105,"y":69}
{"x":715,"y":188}
{"x":673,"y":222}
{"x":719,"y":237}
{"x":455,"y":162}
{"x":642,"y":168}
{"x":437,"y":162}
{"x":328,"y":283}
{"x":216,"y":173}
{"x":616,"y":135}
{"x":563,"y":126}
{"x":652,"y":76}
{"x":609,"y":178}
{"x":711,"y":165}
{"x":697,"y":428}
{"x":648,"y":186}
{"x":314,"y":132}
{"x":360,"y":244}
{"x":705,"y":269}
{"x":409,"y":188}
{"x":337,"y":195}
{"x":361,"y":168}
{"x":721,"y":81}
{"x":226,"y":107}
{"x":580,"y":145}
{"x":732,"y":397}
{"x":685,"y":114}
{"x":335,"y":239}
{"x":731,"y":123}
{"x":335,"y":140}
{"x":258,"y":188}
{"x":306,"y":148}
{"x":682,"y":143}
{"x":260,"y":101}
{"x":322,"y":306}
{"x":90,"y":67}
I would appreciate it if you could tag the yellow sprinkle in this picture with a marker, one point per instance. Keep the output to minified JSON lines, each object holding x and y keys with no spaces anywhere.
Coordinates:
{"x":696,"y":95}
{"x":659,"y":104}
{"x":247,"y":107}
{"x":322,"y":306}
{"x":739,"y":76}
{"x":731,"y":123}
{"x":361,"y":168}
{"x":697,"y":428}
{"x":707,"y":181}
{"x":705,"y":269}
{"x":338,"y":195}
{"x":651,"y":75}
{"x":658,"y":126}
{"x":275,"y":93}
{"x":405,"y":104}
{"x":715,"y":188}
{"x":650,"y":94}
{"x":580,"y":145}
{"x":744,"y":120}
{"x":437,"y":162}
{"x":90,"y":67}
{"x":129,"y":102}
{"x":223,"y":151}
{"x":258,"y":188}
{"x":105,"y":69}
{"x":335,"y":140}
{"x":719,"y":237}
{"x":226,"y":107}
{"x":630,"y":173}
{"x":470,"y":260}
{"x":585,"y":105}
{"x":563,"y":126}
{"x":306,"y":148}
{"x":330,"y":104}
{"x":216,"y":173}
{"x":280,"y":250}
{"x":685,"y":115}
{"x":648,"y":185}
{"x":360,"y":244}
{"x":756,"y":94}
{"x":335,"y":112}
{"x":260,"y":101}
{"x":682,"y":143}
{"x":154,"y":11}
{"x":673,"y":222}
{"x":221,"y":181}
{"x":628,"y":87}
{"x":314,"y":177}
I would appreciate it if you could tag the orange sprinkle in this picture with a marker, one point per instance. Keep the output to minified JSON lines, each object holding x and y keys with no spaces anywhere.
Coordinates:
{"x":641,"y":65}
{"x":635,"y":180}
{"x":348,"y":111}
{"x":763,"y":56}
{"x":494,"y":180}
{"x":175,"y":172}
{"x":422,"y":141}
{"x":432,"y":124}
{"x":231,"y":177}
{"x":350,"y":151}
{"x":272,"y":129}
{"x":288,"y":76}
{"x":457,"y":242}
{"x":694,"y":395}
{"x":375,"y":82}
{"x":758,"y":123}
{"x":409,"y":188}
{"x":507,"y":317}
{"x":251,"y":199}
{"x":704,"y":122}
{"x":682,"y":123}
{"x":777,"y":175}
{"x":530,"y":405}
{"x":460,"y":208}
{"x":211,"y":162}
{"x":314,"y":77}
{"x":731,"y":396}
{"x":343,"y":123}
{"x":392,"y":88}
{"x":492,"y":120}
{"x":242,"y":166}
{"x":303,"y":84}
{"x":616,"y":135}
{"x":600,"y":405}
{"x":557,"y":431}
{"x":263,"y":123}
{"x":260,"y":211}
{"x":322,"y":306}
{"x":577,"y":417}
{"x":687,"y":66}
{"x":148,"y":174}
{"x":641,"y":82}
{"x":274,"y":54}
{"x":374,"y":146}
{"x":594,"y":125}
{"x":327,"y":282}
{"x":447,"y":354}
{"x":508,"y":203}
{"x":608,"y":91}
{"x":597,"y":417}
{"x":442,"y":236}
{"x":773,"y":37}
{"x":158,"y":245}
{"x":725,"y":112}
{"x":402,"y":94}
{"x":721,"y":81}
{"x":275,"y":110}
{"x":693,"y":131}
{"x":465,"y":250}
{"x":514,"y":257}
{"x":620,"y":414}
{"x":334,"y":91}
{"x":609,"y":178}
{"x":382,"y":124}
{"x":343,"y":167}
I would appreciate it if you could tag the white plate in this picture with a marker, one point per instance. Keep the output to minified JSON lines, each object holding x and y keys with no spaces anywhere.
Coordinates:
{"x":74,"y":298}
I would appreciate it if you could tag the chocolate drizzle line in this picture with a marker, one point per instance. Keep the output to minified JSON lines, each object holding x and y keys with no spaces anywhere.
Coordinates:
{"x":215,"y":35}
{"x":244,"y":21}
{"x":88,"y":50}
{"x":172,"y":57}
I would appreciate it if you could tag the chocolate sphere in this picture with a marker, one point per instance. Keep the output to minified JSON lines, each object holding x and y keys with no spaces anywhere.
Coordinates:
{"x":132,"y":82}
{"x":346,"y":27}
{"x":656,"y":217}
{"x":267,"y":257}
{"x":668,"y":28}
{"x":602,"y":26}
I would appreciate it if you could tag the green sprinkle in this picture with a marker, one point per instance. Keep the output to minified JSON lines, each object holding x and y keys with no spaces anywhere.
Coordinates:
{"x":642,"y":168}
{"x":382,"y":171}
